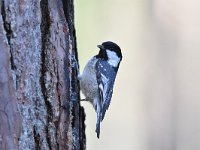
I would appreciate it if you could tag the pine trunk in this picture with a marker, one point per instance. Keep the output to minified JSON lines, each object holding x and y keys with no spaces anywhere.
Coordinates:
{"x":39,"y":92}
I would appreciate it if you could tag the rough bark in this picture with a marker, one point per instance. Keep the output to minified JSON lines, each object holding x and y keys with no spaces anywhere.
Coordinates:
{"x":38,"y":77}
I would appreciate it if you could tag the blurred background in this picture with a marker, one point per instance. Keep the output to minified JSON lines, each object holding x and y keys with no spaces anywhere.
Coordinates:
{"x":156,"y":99}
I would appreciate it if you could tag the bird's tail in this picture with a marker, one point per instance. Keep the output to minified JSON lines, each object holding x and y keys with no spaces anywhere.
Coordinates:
{"x":98,"y":125}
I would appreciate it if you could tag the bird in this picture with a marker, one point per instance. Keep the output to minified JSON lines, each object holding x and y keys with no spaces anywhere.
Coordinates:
{"x":98,"y":77}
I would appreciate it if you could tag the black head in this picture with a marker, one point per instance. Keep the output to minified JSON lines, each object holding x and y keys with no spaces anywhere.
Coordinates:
{"x":109,"y":46}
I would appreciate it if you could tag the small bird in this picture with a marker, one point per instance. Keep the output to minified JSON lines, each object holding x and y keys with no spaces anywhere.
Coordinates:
{"x":98,"y":77}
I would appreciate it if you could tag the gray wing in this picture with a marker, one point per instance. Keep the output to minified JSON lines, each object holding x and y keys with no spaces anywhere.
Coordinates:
{"x":105,"y":78}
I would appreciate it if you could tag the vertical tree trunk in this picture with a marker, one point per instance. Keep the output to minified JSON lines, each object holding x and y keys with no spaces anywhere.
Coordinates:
{"x":39,"y":93}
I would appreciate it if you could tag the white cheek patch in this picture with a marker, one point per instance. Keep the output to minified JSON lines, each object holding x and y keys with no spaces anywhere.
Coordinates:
{"x":113,"y":59}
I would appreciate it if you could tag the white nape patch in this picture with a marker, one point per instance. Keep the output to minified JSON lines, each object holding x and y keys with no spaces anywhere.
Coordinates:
{"x":113,"y":59}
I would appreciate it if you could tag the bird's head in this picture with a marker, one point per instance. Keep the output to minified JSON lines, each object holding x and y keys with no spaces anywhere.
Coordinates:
{"x":110,"y":52}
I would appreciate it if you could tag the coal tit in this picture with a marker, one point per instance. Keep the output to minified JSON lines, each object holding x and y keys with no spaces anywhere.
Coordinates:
{"x":98,"y":77}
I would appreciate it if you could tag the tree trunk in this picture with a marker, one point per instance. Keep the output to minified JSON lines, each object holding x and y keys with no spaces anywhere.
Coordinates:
{"x":39,"y":92}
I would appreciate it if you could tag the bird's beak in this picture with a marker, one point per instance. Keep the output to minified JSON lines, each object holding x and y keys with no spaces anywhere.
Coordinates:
{"x":101,"y":47}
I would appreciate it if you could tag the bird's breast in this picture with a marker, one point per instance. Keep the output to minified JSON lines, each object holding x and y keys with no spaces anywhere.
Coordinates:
{"x":88,"y":81}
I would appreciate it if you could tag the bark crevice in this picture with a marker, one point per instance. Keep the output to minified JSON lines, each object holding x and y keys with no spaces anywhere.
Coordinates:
{"x":37,"y":139}
{"x":6,"y":24}
{"x":9,"y":32}
{"x":45,"y":32}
